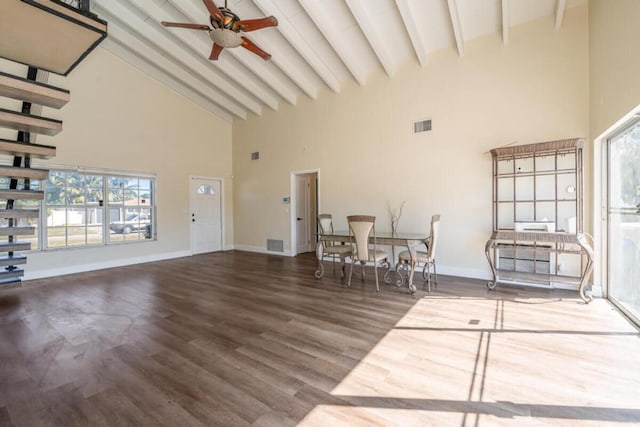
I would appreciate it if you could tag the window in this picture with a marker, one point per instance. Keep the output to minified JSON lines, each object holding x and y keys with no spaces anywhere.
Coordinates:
{"x":206,"y":190}
{"x":74,"y":212}
{"x":129,"y":203}
{"x":90,"y":209}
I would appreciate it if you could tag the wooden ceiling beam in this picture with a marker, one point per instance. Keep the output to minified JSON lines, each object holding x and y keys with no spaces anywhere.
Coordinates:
{"x":325,"y":24}
{"x":407,"y":14}
{"x":505,"y":21}
{"x":560,"y":7}
{"x":297,"y":41}
{"x":373,"y":35}
{"x":456,"y":25}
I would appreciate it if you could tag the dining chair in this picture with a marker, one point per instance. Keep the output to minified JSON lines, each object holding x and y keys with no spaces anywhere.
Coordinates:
{"x":427,"y":258}
{"x":330,"y":249}
{"x":361,"y":229}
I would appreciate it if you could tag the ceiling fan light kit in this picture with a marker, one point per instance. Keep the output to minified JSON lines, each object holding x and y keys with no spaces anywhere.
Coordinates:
{"x":226,"y":28}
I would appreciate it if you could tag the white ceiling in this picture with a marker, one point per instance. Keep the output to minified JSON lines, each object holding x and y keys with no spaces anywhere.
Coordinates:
{"x":317,"y":44}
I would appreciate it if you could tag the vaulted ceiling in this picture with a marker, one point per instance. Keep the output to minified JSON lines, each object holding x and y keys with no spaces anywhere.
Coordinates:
{"x":317,"y":45}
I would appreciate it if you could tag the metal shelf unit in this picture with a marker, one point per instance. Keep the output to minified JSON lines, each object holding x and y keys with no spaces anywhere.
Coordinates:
{"x":537,"y":234}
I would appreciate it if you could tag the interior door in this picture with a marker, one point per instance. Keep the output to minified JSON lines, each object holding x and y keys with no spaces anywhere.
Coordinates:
{"x":303,"y":220}
{"x":206,"y":215}
{"x":623,"y":157}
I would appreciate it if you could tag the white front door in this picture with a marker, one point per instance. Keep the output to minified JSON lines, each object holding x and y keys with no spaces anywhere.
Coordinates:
{"x":206,"y":215}
{"x":303,"y":202}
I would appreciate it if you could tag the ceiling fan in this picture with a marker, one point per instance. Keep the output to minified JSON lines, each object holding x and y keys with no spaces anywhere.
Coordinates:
{"x":226,"y":28}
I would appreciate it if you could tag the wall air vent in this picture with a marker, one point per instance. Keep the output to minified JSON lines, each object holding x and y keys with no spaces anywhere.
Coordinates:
{"x":275,"y":245}
{"x":255,"y":155}
{"x":422,"y":126}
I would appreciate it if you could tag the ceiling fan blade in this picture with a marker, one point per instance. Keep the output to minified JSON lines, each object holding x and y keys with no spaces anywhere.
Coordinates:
{"x":215,"y":51}
{"x":181,"y":25}
{"x":213,"y":10}
{"x":251,"y":46}
{"x":256,"y":24}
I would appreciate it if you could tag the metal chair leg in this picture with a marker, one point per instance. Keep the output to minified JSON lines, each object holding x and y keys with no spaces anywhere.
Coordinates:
{"x":435,"y":273}
{"x":350,"y":273}
{"x":375,"y":269}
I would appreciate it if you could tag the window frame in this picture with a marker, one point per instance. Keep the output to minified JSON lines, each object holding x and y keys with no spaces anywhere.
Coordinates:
{"x":105,"y":206}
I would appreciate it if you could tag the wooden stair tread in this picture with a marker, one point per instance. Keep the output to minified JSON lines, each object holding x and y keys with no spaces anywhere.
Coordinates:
{"x":6,"y":275}
{"x":14,"y":246}
{"x":17,"y":231}
{"x":20,"y":148}
{"x":21,"y":195}
{"x":32,"y":91}
{"x":19,"y":213}
{"x":15,"y":259}
{"x":16,"y":172}
{"x":29,"y":123}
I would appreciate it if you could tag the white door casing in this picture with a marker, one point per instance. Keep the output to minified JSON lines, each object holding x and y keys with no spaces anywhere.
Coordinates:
{"x":205,"y":214}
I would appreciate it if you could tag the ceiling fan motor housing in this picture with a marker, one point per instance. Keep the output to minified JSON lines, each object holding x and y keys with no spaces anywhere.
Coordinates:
{"x":225,"y":38}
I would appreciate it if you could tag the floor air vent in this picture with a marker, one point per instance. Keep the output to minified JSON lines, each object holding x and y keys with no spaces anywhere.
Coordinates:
{"x":275,"y":245}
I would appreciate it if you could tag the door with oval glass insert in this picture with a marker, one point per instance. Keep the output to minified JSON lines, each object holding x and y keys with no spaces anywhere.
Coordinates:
{"x":206,"y":215}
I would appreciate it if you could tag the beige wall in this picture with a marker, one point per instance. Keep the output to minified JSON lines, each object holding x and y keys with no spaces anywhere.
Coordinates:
{"x":614,"y":62}
{"x":533,"y":89}
{"x":119,"y":118}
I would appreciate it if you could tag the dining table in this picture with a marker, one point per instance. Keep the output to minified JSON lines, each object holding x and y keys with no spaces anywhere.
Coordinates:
{"x":411,"y":241}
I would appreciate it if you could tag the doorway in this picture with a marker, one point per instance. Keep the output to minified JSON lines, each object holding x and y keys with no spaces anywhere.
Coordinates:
{"x":304,"y":211}
{"x":623,"y":218}
{"x":206,"y":214}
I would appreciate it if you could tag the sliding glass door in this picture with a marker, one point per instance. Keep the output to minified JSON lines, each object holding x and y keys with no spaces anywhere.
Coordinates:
{"x":624,"y":219}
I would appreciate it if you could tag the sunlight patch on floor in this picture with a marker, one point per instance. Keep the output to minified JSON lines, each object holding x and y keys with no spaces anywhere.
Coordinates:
{"x":474,"y":361}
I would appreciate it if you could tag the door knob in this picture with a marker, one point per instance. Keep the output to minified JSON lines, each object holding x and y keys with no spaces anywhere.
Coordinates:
{"x":299,"y":219}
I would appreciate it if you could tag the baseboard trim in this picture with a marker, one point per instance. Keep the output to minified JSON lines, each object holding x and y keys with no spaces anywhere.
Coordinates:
{"x":261,"y":250}
{"x":121,"y":262}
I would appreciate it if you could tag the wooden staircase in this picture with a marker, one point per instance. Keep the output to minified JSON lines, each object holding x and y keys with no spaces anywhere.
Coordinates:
{"x":17,"y":222}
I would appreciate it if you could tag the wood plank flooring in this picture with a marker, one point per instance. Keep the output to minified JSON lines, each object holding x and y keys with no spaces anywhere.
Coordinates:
{"x":240,"y":339}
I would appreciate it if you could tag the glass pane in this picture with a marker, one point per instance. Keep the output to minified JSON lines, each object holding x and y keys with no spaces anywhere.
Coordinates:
{"x":524,"y":212}
{"x":546,"y":211}
{"x":505,"y":189}
{"x":567,"y":187}
{"x":116,"y":190}
{"x":545,"y":163}
{"x":566,"y":216}
{"x":624,"y":223}
{"x":76,"y":217}
{"x":505,"y":216}
{"x":56,"y":237}
{"x":54,"y":188}
{"x":94,"y":235}
{"x":567,"y":161}
{"x":505,"y":167}
{"x":524,"y":165}
{"x":545,"y":187}
{"x":206,"y":190}
{"x":524,"y":188}
{"x":146,"y":192}
{"x":76,"y":236}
